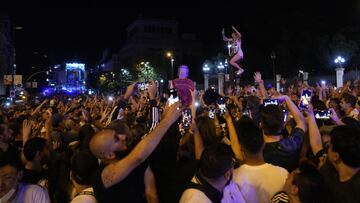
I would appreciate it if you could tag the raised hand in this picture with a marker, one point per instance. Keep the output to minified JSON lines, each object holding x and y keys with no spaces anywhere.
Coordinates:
{"x":257,"y":77}
{"x":173,"y":112}
{"x":26,"y":129}
{"x":152,"y":90}
{"x":129,"y":90}
{"x":223,"y":31}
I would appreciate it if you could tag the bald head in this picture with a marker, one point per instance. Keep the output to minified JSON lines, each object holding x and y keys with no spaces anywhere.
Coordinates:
{"x":104,"y":143}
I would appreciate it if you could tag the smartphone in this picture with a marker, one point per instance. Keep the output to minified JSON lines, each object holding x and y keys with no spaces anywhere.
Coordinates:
{"x":173,"y":97}
{"x":221,"y":102}
{"x":212,"y":113}
{"x":305,"y":99}
{"x":186,"y":118}
{"x":323,"y":115}
{"x":285,"y":115}
{"x":270,"y":102}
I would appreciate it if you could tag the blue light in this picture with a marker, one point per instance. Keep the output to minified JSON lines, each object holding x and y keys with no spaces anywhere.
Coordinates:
{"x":72,"y":66}
{"x":7,"y":104}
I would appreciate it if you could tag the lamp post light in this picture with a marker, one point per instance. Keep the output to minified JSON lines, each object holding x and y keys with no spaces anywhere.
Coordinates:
{"x":171,"y":57}
{"x":206,"y":70}
{"x":339,"y":71}
{"x":273,"y":57}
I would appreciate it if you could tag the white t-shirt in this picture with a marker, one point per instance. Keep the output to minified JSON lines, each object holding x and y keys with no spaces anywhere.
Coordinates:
{"x":260,"y":183}
{"x":231,"y":194}
{"x":29,"y":194}
{"x":83,"y":197}
{"x":194,"y":196}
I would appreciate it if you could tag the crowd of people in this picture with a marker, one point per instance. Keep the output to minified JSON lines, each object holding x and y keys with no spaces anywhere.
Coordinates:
{"x":138,"y":146}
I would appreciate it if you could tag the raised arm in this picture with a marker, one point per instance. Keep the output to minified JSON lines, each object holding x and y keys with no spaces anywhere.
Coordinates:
{"x":237,"y":32}
{"x":38,"y":107}
{"x":235,"y":144}
{"x":224,"y":37}
{"x":116,"y":172}
{"x":314,"y":133}
{"x":260,"y":82}
{"x":198,"y":142}
{"x":299,"y":118}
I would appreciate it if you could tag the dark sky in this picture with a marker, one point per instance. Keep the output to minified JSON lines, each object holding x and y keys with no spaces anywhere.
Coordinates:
{"x":82,"y":32}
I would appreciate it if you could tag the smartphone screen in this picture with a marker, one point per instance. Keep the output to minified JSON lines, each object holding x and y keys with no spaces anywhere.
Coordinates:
{"x":323,"y":115}
{"x":221,"y":102}
{"x":186,"y":118}
{"x":270,"y":102}
{"x":305,"y":99}
{"x":173,"y":97}
{"x":212,"y":113}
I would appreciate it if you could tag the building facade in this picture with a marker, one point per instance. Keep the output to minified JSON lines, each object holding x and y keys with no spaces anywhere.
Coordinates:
{"x":150,"y":39}
{"x":7,"y":50}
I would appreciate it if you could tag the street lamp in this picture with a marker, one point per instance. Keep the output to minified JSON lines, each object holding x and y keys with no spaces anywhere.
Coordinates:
{"x":171,"y":57}
{"x":339,"y":71}
{"x":339,"y":61}
{"x":220,"y":66}
{"x":206,"y":68}
{"x":273,"y":57}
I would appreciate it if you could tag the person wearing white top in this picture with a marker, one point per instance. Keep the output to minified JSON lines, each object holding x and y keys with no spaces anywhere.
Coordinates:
{"x":213,"y":181}
{"x":85,"y":196}
{"x":11,"y":191}
{"x":258,"y":181}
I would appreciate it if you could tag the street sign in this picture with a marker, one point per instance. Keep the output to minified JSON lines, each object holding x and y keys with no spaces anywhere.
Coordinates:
{"x":12,"y":93}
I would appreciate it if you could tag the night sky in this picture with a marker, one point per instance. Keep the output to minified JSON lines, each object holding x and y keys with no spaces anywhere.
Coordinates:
{"x":67,"y":33}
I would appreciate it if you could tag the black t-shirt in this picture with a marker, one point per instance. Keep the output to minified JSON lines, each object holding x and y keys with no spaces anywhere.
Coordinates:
{"x":32,"y":177}
{"x":130,"y":190}
{"x":172,"y":175}
{"x":285,"y":153}
{"x":344,"y":192}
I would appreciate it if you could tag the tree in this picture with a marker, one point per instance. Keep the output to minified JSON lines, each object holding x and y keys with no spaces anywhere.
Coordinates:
{"x":146,"y":72}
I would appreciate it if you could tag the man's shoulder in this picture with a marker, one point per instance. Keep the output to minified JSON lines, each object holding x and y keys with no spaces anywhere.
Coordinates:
{"x":192,"y":195}
{"x":32,"y":193}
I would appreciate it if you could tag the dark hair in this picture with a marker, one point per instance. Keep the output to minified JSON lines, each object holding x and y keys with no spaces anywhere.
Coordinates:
{"x":137,"y":132}
{"x":32,"y":146}
{"x":10,"y":159}
{"x":272,"y":120}
{"x":215,"y":161}
{"x":350,"y":99}
{"x":119,"y":126}
{"x":352,"y":122}
{"x":346,"y":141}
{"x":207,"y":130}
{"x":251,"y":138}
{"x":83,"y":164}
{"x":86,"y":132}
{"x":210,"y":97}
{"x":309,"y":182}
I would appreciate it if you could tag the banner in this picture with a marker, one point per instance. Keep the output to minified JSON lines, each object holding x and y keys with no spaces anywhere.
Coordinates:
{"x":8,"y":79}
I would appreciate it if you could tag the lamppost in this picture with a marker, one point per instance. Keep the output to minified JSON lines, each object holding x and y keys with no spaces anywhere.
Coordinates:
{"x":206,"y":70}
{"x":221,"y":67}
{"x":171,"y":57}
{"x":339,"y":71}
{"x":273,"y":57}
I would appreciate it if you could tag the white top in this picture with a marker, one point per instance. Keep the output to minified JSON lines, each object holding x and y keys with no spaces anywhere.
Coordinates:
{"x":260,"y":183}
{"x":27,"y":194}
{"x":194,"y":196}
{"x":85,"y":198}
{"x":231,"y":194}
